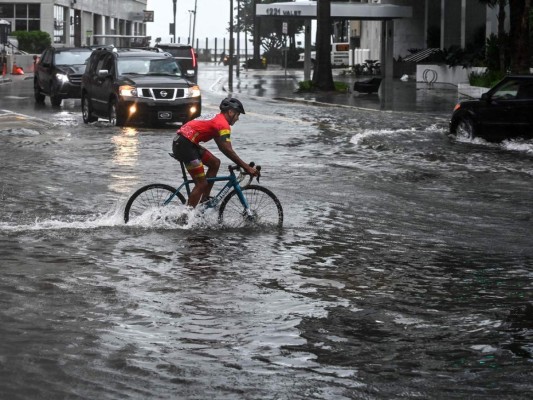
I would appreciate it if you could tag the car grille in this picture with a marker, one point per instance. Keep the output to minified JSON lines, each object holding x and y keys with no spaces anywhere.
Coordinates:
{"x":161,"y":93}
{"x":75,"y":79}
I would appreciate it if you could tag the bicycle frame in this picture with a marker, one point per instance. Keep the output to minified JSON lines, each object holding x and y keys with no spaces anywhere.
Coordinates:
{"x":231,"y":182}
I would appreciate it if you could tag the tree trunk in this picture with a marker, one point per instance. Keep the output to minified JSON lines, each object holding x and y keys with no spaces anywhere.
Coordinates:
{"x":519,"y":13}
{"x":322,"y":76}
{"x":501,"y":33}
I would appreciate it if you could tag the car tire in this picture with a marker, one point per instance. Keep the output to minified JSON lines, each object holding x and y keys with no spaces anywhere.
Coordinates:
{"x":116,"y":117}
{"x":465,"y":128}
{"x":87,"y":110}
{"x":56,"y":101}
{"x":39,"y":97}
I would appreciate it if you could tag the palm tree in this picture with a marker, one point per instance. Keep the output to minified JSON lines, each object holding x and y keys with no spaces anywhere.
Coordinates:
{"x":502,"y":37}
{"x":520,"y":12}
{"x":322,"y":75}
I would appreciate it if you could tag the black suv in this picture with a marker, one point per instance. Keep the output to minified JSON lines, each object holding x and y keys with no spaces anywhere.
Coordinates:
{"x":185,"y":56}
{"x":58,"y":74}
{"x":131,"y":85}
{"x":504,"y":112}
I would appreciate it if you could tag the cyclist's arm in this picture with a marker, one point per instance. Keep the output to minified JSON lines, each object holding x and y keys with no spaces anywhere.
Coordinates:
{"x":227,"y":149}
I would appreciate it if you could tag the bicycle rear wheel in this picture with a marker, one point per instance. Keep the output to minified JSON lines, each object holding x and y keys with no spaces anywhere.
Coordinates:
{"x":149,"y":197}
{"x":265,"y":206}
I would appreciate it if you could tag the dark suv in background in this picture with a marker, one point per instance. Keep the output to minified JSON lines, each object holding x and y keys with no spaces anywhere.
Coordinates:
{"x":504,"y":112}
{"x":185,"y":56}
{"x":58,"y":74}
{"x":132,"y":85}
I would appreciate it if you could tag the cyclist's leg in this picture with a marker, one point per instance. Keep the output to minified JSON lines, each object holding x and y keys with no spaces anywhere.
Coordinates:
{"x":213,"y":165}
{"x":196,"y":170}
{"x":191,"y":155}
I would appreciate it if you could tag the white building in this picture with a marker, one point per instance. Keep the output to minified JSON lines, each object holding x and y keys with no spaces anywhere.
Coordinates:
{"x":80,"y":22}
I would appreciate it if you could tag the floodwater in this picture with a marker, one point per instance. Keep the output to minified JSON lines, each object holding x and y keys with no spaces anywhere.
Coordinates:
{"x":404,"y":268}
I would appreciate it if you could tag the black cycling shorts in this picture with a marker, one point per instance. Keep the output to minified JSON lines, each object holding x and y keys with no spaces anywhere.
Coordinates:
{"x":185,"y":150}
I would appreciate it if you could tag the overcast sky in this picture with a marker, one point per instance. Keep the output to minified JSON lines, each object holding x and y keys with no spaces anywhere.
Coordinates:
{"x":212,"y":19}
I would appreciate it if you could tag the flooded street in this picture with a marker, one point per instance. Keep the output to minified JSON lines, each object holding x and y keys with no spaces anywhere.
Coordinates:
{"x":404,"y":268}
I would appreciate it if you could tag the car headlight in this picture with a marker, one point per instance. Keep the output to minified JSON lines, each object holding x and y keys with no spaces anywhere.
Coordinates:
{"x":194,"y":91}
{"x":127,"y":91}
{"x":63,"y":78}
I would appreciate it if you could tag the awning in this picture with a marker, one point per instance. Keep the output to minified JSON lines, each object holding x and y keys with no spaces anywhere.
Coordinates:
{"x":421,"y":55}
{"x":359,"y":11}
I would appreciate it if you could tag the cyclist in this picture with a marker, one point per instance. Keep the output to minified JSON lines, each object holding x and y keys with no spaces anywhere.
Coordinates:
{"x":186,"y":148}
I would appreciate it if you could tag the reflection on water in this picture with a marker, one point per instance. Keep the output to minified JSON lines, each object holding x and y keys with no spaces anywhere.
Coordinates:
{"x":126,"y":147}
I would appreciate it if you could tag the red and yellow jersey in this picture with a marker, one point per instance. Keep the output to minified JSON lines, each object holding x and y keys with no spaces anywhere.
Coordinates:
{"x":199,"y":130}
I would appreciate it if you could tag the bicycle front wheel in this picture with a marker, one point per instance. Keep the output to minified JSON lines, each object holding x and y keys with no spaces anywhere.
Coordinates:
{"x":264,"y":206}
{"x":150,"y":198}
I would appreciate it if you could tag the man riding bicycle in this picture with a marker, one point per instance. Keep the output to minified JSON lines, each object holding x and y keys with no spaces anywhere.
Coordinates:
{"x":186,"y":148}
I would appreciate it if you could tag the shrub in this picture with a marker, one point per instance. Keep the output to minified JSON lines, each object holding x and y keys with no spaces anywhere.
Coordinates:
{"x":33,"y":41}
{"x":486,"y":79}
{"x":307,"y":86}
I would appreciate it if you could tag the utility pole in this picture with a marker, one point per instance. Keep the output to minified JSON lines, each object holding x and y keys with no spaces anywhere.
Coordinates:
{"x":238,"y":37}
{"x":194,"y":24}
{"x":174,"y":13}
{"x":230,"y":77}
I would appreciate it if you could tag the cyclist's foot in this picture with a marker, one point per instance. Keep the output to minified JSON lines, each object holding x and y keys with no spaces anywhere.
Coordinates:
{"x":206,"y":200}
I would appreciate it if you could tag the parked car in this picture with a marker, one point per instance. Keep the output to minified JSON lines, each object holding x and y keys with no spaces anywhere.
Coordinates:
{"x":185,"y":56}
{"x":58,"y":74}
{"x":505,"y":111}
{"x":131,"y":85}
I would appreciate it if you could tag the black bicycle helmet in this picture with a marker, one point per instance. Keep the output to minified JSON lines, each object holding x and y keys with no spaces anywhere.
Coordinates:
{"x":231,"y":103}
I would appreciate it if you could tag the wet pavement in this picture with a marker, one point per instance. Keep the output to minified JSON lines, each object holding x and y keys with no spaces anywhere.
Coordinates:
{"x":393,"y":95}
{"x":403,"y":269}
{"x":277,"y":83}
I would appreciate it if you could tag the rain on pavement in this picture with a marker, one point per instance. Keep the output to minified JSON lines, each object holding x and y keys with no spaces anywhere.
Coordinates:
{"x":403,"y":270}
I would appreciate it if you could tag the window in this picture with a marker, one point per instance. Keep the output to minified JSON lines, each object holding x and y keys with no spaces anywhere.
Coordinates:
{"x":59,"y":24}
{"x":23,"y":16}
{"x":7,"y":11}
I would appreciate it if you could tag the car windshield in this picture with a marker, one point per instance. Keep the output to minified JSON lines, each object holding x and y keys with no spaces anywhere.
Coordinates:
{"x":143,"y":66}
{"x":72,"y":57}
{"x":178,"y":52}
{"x":507,"y":91}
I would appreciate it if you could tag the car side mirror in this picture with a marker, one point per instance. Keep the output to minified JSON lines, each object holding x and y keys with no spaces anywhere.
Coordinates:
{"x":485,"y":96}
{"x":103,"y":73}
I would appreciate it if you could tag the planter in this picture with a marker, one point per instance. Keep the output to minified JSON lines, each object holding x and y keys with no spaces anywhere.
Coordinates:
{"x":473,"y":92}
{"x":441,"y":73}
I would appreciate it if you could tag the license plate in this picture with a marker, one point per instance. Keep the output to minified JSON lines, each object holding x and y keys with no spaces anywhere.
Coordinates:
{"x":164,"y":115}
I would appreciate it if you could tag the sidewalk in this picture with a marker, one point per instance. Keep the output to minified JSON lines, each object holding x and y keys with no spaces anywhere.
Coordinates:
{"x":395,"y":95}
{"x":276,"y":83}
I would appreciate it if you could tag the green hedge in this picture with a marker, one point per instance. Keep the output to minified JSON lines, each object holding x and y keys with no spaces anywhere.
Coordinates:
{"x":33,"y":42}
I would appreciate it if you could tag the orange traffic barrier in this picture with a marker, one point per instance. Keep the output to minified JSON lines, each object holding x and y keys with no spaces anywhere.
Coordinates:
{"x":17,"y":70}
{"x":4,"y":70}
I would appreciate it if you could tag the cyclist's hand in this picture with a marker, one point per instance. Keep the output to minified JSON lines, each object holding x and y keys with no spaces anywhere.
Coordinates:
{"x":252,"y":171}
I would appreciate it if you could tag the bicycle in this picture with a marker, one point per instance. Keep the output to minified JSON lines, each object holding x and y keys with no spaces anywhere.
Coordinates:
{"x":238,"y":205}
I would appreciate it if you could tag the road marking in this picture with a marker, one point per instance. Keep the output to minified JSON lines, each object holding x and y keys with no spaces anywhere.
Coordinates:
{"x":8,"y":116}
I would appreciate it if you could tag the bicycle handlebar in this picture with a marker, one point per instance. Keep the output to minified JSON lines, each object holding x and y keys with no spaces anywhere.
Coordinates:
{"x":252,"y":164}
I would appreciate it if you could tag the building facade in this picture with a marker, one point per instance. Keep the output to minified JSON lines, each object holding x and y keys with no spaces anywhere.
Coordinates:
{"x":80,"y":22}
{"x":434,"y":24}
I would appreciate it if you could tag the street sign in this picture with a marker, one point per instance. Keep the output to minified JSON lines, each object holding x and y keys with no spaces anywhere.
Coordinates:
{"x":148,"y":16}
